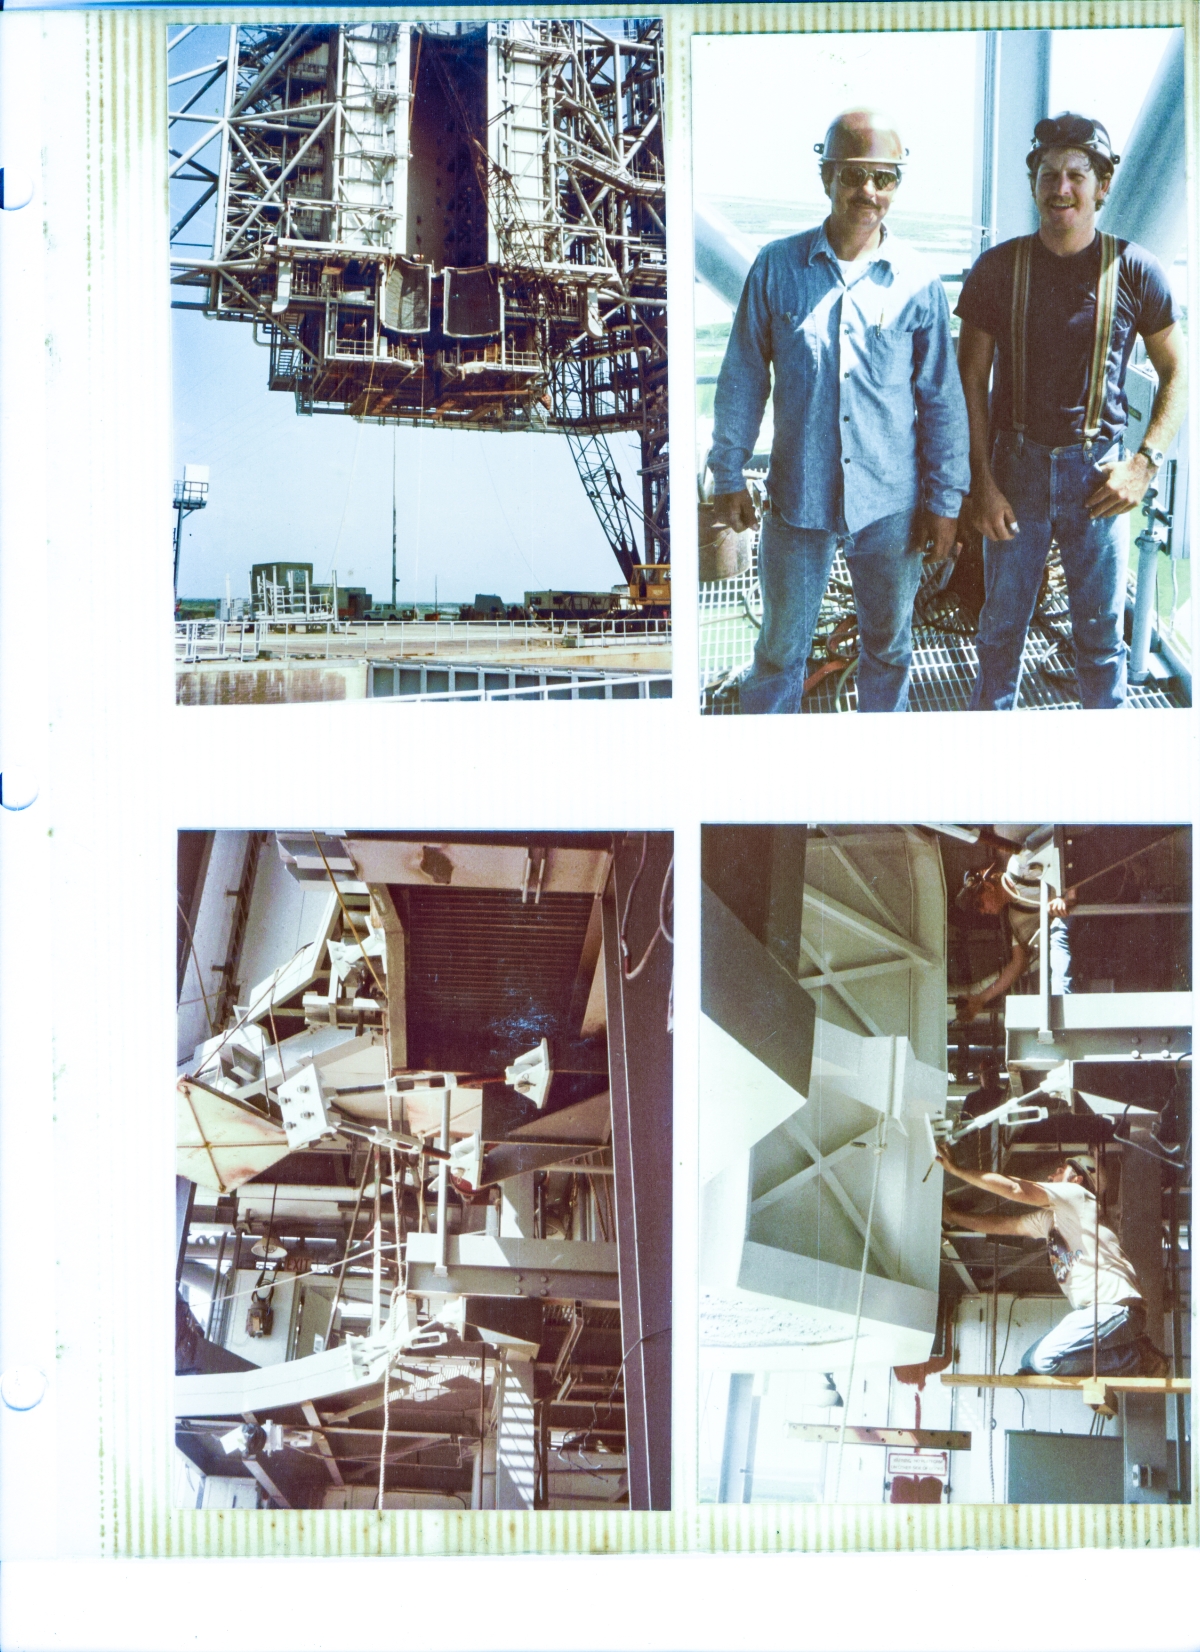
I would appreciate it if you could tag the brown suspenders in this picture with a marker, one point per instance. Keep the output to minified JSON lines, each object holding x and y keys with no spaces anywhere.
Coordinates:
{"x":1106,"y":310}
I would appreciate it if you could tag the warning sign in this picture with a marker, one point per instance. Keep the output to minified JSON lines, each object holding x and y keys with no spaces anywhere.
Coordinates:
{"x":936,"y":1463}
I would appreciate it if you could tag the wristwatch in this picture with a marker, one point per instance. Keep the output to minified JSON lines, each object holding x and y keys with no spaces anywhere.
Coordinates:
{"x":1154,"y":454}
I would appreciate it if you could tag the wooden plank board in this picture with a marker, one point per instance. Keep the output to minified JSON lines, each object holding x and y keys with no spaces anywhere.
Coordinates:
{"x":931,"y":1439}
{"x":1124,"y":1385}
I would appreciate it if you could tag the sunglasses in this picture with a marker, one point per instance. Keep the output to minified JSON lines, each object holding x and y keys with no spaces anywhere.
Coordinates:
{"x":854,"y":177}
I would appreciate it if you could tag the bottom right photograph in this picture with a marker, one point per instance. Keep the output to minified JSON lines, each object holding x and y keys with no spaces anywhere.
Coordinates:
{"x":945,"y":1162}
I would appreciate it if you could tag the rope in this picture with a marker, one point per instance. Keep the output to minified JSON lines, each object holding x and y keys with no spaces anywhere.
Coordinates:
{"x":862,"y":1283}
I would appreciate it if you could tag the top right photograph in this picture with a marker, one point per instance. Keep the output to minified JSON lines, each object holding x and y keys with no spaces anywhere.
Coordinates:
{"x":941,"y":369}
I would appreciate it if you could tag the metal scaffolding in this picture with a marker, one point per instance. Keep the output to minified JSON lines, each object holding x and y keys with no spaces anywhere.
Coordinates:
{"x":452,"y":225}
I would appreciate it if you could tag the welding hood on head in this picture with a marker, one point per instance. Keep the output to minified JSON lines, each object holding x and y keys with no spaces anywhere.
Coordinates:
{"x":1071,"y":131}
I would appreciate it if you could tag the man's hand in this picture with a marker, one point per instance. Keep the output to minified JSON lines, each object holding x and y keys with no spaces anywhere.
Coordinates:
{"x":735,"y":510}
{"x":991,"y":513}
{"x":944,"y":1159}
{"x":1124,"y":485}
{"x":1058,"y":907}
{"x":969,"y":1008}
{"x":936,"y":535}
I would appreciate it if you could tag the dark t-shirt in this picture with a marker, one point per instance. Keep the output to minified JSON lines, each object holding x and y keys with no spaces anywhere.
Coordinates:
{"x":1059,"y":329}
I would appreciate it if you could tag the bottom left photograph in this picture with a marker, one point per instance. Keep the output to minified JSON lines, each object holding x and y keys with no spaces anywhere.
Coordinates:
{"x":423,"y":1170}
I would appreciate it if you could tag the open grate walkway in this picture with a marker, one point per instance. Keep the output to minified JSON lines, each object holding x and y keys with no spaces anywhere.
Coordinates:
{"x":944,"y":658}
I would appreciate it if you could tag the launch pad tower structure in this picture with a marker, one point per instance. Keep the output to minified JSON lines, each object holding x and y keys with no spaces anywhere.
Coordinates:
{"x":455,"y":225}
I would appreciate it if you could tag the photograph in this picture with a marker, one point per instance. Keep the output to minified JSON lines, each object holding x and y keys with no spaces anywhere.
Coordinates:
{"x":945,"y":1164}
{"x":449,"y":238}
{"x":941,"y":370}
{"x":423,"y":1171}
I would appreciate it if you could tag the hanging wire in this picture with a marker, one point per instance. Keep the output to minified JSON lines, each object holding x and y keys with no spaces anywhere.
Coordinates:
{"x":862,"y":1282}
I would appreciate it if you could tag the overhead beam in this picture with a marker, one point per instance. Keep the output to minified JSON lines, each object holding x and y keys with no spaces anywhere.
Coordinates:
{"x":641,"y":1089}
{"x":921,"y":1439}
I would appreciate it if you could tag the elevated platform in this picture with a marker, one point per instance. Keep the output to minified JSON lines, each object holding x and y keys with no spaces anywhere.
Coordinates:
{"x":1101,"y":1392}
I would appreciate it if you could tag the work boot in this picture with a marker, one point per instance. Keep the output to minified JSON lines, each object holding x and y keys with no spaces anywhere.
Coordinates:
{"x":723,"y":697}
{"x":1151,"y":1361}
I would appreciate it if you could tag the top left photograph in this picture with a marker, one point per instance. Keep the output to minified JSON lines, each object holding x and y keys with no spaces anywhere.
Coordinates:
{"x":430,"y":460}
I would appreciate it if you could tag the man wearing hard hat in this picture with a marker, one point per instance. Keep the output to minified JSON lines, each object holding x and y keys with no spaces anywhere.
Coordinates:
{"x":1060,"y":311}
{"x":870,"y":445}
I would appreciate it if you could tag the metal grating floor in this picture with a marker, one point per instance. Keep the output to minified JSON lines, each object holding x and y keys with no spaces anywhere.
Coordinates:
{"x":944,"y":658}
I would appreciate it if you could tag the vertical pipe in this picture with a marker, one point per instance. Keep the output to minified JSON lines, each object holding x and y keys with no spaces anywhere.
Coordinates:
{"x":1178,"y":1345}
{"x":216,"y":1291}
{"x":1045,"y":1034}
{"x":1144,"y":602}
{"x":443,"y":1181}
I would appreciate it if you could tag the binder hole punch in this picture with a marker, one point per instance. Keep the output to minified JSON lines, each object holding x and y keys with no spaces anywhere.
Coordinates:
{"x":22,"y":1387}
{"x":18,"y":788}
{"x":16,"y":188}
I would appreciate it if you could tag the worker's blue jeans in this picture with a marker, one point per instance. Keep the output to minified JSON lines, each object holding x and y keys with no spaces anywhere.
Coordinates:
{"x":1047,"y":487}
{"x":793,"y":569}
{"x":1060,"y":956}
{"x":1066,"y":1351}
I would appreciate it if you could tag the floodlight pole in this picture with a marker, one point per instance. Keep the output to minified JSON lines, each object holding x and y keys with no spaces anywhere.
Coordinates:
{"x":189,"y":496}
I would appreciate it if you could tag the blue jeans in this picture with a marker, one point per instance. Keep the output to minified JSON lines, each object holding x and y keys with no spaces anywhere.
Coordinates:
{"x":793,"y":570}
{"x":1066,"y":1351}
{"x":1046,"y":487}
{"x":1060,"y":954}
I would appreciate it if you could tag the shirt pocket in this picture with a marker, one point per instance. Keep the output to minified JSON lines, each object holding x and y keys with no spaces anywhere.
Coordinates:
{"x":890,"y":355}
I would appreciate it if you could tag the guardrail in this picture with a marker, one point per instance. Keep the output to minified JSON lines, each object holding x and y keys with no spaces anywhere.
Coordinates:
{"x":244,"y":640}
{"x":581,"y":688}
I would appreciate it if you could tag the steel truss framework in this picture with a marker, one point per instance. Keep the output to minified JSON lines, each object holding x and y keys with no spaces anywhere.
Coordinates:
{"x":460,"y":226}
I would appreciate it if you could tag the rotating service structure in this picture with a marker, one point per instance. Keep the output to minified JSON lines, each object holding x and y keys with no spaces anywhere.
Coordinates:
{"x":452,"y":225}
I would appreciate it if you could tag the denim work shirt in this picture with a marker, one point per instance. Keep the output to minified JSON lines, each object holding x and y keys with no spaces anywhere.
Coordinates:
{"x":869,"y":411}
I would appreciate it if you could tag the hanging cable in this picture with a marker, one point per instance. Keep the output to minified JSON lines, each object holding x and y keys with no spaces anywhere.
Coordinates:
{"x":862,"y":1283}
{"x":628,"y":974}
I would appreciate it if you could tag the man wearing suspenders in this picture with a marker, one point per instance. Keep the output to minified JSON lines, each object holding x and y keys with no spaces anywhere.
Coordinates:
{"x":1060,"y":311}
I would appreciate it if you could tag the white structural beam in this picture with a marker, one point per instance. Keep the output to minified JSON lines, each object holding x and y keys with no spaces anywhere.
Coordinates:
{"x":816,"y":901}
{"x":821,"y":1166}
{"x":829,"y":977}
{"x":828,"y":840}
{"x":516,"y":1438}
{"x":860,"y":1015}
{"x":855,"y":1215}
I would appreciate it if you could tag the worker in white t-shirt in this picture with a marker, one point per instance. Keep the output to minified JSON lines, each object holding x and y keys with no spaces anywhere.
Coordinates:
{"x":1107,"y":1320}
